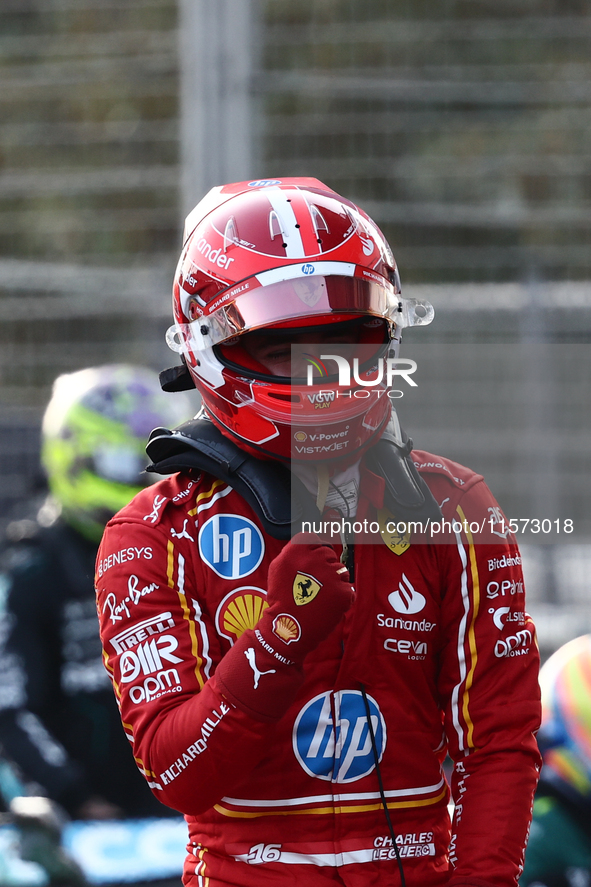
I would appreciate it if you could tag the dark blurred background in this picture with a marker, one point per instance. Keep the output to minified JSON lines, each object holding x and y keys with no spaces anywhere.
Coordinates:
{"x":463,"y":128}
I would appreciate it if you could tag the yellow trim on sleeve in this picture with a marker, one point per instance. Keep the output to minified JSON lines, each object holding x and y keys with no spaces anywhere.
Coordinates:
{"x":170,"y":563}
{"x":186,"y":613}
{"x":206,"y":495}
{"x":200,"y":868}
{"x":111,"y":671}
{"x":107,"y":664}
{"x":471,"y":630}
{"x":193,"y":634}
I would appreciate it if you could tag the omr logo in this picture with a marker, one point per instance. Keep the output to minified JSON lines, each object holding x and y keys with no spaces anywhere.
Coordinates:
{"x":264,"y":183}
{"x":147,"y":658}
{"x":339,"y":748}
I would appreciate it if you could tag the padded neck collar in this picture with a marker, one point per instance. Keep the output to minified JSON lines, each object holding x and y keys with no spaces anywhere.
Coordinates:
{"x":280,"y":498}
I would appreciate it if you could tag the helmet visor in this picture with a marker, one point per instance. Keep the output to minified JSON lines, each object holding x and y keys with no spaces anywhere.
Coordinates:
{"x":251,"y":306}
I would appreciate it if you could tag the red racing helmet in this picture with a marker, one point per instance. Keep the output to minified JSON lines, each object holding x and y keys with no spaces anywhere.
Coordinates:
{"x":283,"y":257}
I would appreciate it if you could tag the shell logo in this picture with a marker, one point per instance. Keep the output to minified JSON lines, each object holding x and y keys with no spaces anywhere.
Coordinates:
{"x":287,"y":628}
{"x":300,"y":436}
{"x":240,"y":610}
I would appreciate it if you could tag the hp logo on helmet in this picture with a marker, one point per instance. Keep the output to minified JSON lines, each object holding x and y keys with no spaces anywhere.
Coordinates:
{"x":338,"y":748}
{"x":308,"y":269}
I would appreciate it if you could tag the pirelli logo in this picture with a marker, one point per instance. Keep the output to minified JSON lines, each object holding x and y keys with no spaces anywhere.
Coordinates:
{"x":142,"y":631}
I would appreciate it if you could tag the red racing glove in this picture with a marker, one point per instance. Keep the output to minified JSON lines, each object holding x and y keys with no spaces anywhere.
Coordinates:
{"x":308,"y":592}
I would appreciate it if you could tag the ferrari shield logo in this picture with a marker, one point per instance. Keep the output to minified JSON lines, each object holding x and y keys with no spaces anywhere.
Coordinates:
{"x":305,"y":588}
{"x":390,"y":531}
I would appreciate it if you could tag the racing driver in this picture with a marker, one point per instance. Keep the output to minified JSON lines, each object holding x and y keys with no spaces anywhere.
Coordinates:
{"x":296,"y":694}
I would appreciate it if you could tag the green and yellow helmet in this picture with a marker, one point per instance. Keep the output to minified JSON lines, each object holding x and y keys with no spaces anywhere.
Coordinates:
{"x":93,"y":439}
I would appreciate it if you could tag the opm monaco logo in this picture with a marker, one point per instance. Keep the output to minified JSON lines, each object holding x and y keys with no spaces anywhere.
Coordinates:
{"x":516,"y":645}
{"x":406,"y":599}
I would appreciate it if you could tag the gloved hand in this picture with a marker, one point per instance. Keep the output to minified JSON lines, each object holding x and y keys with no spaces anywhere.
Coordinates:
{"x":308,"y":592}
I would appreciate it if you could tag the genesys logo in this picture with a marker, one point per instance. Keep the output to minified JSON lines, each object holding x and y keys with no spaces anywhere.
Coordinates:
{"x":231,"y":545}
{"x":406,"y":599}
{"x":122,"y":556}
{"x":505,"y":615}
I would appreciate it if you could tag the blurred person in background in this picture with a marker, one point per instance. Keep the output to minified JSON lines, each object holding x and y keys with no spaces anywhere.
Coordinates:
{"x":59,"y":723}
{"x":296,"y":699}
{"x":559,"y":848}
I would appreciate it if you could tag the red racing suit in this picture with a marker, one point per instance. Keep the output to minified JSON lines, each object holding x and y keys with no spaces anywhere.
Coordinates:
{"x":437,"y":637}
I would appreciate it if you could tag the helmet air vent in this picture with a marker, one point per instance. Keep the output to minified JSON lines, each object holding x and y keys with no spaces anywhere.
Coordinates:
{"x":230,"y":234}
{"x":274,"y":225}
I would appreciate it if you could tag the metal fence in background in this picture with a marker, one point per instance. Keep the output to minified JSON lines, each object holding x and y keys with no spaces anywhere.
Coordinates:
{"x":89,"y":221}
{"x":463,"y":127}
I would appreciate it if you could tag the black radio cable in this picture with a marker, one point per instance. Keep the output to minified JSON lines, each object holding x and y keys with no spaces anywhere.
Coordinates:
{"x":381,"y":785}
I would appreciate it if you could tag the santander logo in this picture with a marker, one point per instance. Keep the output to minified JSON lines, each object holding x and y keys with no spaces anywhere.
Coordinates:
{"x":406,"y":599}
{"x":367,"y":244}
